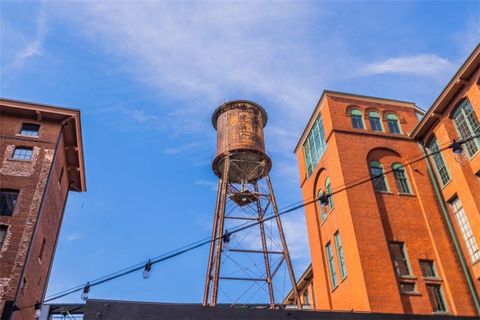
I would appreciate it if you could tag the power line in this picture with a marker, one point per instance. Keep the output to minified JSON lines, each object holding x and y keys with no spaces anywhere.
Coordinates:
{"x":204,"y":241}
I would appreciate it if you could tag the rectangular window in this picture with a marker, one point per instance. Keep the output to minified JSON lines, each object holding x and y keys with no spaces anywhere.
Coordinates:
{"x":393,"y":126}
{"x":331,"y":266}
{"x":436,"y":298}
{"x":442,"y":170}
{"x":407,"y":287}
{"x":8,"y":199}
{"x":428,"y":269}
{"x":314,"y":146}
{"x":29,"y":129}
{"x":375,"y":124}
{"x":400,"y":260}
{"x":306,"y":299}
{"x":340,"y":256}
{"x":465,"y":229}
{"x":3,"y":234}
{"x":357,"y":122}
{"x":22,"y":153}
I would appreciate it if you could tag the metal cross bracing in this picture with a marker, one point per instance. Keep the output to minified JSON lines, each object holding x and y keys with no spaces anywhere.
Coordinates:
{"x":247,"y":265}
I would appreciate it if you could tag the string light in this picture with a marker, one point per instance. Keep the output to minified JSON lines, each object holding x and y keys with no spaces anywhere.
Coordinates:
{"x":38,"y":310}
{"x":148,"y":269}
{"x":226,"y":236}
{"x":86,"y":291}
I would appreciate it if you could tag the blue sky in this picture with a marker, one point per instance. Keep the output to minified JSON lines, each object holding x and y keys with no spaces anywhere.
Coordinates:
{"x":147,"y":76}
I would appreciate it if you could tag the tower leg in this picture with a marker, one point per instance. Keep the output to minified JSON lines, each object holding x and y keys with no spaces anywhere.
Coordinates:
{"x":216,"y":244}
{"x":206,"y":292}
{"x":284,"y":244}
{"x":265,"y":251}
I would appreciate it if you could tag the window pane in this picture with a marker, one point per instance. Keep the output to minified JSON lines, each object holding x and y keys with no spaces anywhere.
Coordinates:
{"x":328,"y":188}
{"x":323,"y":211}
{"x":375,"y":122}
{"x":401,"y":179}
{"x":436,"y":298}
{"x":8,"y":199}
{"x":465,"y":229}
{"x":379,"y":180}
{"x":341,"y":258}
{"x":22,"y":153}
{"x":314,"y":146}
{"x":467,"y":125}
{"x":393,"y":126}
{"x":407,"y":287}
{"x":399,"y":257}
{"x":357,"y":122}
{"x":30,"y":129}
{"x":331,"y":266}
{"x":427,"y":268}
{"x":3,"y":234}
{"x":440,"y":165}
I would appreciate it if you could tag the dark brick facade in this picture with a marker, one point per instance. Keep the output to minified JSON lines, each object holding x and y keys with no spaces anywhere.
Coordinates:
{"x":43,"y":182}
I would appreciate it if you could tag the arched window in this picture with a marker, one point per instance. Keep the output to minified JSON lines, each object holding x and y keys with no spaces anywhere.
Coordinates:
{"x":357,"y":119}
{"x":467,"y":125}
{"x":378,"y":178}
{"x":328,"y":188}
{"x":401,"y":179}
{"x":375,"y":121}
{"x":393,"y":123}
{"x":323,"y":212}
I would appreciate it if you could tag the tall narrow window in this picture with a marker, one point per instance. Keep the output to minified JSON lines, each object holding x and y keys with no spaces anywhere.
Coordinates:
{"x":442,"y":170}
{"x":328,"y":188}
{"x":331,"y":266}
{"x":3,"y":234}
{"x":314,"y":146}
{"x":436,"y":298}
{"x":400,"y":260}
{"x":340,"y":256}
{"x":393,"y":123}
{"x":467,"y":125}
{"x":22,"y":153}
{"x":375,"y":121}
{"x":428,"y":270}
{"x":306,"y":299}
{"x":323,"y":211}
{"x":29,"y":129}
{"x":8,"y":199}
{"x":379,"y":179}
{"x":357,"y":119}
{"x":401,"y":179}
{"x":465,"y":229}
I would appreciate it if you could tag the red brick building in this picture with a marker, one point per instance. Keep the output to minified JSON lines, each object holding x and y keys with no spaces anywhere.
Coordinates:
{"x":41,"y":161}
{"x":400,"y":231}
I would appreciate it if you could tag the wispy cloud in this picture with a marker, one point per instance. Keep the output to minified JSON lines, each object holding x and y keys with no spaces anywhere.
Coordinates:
{"x":182,"y":148}
{"x":33,"y":46}
{"x":422,"y":64}
{"x":74,"y":236}
{"x":210,"y":184}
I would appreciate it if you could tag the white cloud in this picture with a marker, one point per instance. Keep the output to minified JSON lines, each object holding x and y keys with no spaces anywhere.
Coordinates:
{"x":74,"y":236}
{"x":422,"y":64}
{"x":210,"y":184}
{"x":32,"y":47}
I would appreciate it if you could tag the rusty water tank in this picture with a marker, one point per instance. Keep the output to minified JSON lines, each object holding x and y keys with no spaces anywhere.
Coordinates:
{"x":239,"y":125}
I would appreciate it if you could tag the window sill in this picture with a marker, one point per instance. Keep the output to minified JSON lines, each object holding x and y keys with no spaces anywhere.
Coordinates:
{"x":406,"y":194}
{"x":413,"y":293}
{"x":384,"y":192}
{"x":27,"y":136}
{"x":407,"y":278}
{"x":19,"y":160}
{"x":445,"y":313}
{"x":432,"y":279}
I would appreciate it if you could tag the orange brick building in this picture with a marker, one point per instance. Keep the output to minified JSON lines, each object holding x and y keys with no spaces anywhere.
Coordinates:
{"x":400,"y":231}
{"x":41,"y":161}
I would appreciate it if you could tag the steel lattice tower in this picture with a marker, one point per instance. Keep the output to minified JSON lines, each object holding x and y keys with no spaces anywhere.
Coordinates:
{"x":244,"y":195}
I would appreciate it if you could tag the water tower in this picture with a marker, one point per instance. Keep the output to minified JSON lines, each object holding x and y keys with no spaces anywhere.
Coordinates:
{"x":245,"y":197}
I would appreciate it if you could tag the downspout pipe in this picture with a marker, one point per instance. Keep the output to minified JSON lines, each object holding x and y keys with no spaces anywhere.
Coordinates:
{"x":451,"y":230}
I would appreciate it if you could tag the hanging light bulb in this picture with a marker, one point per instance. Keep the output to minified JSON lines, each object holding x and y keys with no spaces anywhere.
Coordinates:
{"x":85,"y":292}
{"x":458,"y":152}
{"x":38,"y":310}
{"x":148,"y":270}
{"x":226,"y":237}
{"x":324,"y":202}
